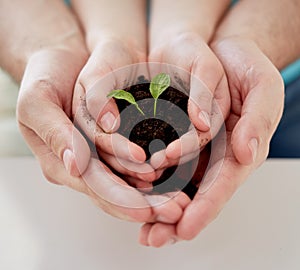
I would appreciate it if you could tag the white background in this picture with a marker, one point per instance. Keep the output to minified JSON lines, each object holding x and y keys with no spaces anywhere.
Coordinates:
{"x":47,"y":227}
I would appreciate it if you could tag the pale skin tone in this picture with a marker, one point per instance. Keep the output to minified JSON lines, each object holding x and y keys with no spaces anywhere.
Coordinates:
{"x":251,"y":46}
{"x":31,"y":55}
{"x":240,"y":46}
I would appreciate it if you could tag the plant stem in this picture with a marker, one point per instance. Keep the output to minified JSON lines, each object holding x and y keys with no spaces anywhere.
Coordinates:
{"x":139,"y":109}
{"x":155,"y":102}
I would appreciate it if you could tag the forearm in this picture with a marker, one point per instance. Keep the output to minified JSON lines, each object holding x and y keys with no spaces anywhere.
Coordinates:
{"x":122,"y":20}
{"x":31,"y":26}
{"x":172,"y":18}
{"x":273,"y":25}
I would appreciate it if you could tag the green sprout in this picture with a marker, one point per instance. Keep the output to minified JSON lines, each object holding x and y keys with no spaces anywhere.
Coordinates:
{"x":157,"y":86}
{"x":122,"y":94}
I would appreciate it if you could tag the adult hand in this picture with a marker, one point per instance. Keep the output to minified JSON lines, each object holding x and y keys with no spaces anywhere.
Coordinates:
{"x":179,"y":38}
{"x":98,"y":116}
{"x":49,"y":62}
{"x":44,"y":109}
{"x":209,"y":98}
{"x":114,"y":53}
{"x":256,"y":90}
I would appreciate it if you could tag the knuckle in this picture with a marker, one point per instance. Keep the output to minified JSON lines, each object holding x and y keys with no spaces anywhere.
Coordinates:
{"x":55,"y":138}
{"x":50,"y":136}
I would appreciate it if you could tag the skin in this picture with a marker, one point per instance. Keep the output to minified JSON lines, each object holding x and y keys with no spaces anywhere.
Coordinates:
{"x":184,"y":34}
{"x":38,"y":58}
{"x":110,"y":47}
{"x":183,"y":42}
{"x":252,"y":77}
{"x":251,"y":55}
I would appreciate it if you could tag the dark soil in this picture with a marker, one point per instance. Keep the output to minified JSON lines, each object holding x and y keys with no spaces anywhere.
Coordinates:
{"x":155,"y":133}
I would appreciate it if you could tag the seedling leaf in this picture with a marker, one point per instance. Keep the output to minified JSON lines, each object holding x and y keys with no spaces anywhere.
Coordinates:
{"x":124,"y":95}
{"x":158,"y":85}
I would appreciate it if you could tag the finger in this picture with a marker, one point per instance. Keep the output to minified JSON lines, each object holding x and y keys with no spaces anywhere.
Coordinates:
{"x":257,"y":92}
{"x":253,"y":132}
{"x":180,"y":198}
{"x":165,"y":209}
{"x":219,"y":183}
{"x":119,"y":146}
{"x":113,"y":144}
{"x":143,"y":172}
{"x":160,"y":234}
{"x":57,"y":132}
{"x":108,"y":69}
{"x":54,"y":171}
{"x":159,"y":160}
{"x":52,"y":167}
{"x":209,"y":100}
{"x":199,"y":105}
{"x":144,"y":233}
{"x":199,"y":72}
{"x":126,"y":201}
{"x":188,"y":143}
{"x":142,"y":186}
{"x":42,"y":102}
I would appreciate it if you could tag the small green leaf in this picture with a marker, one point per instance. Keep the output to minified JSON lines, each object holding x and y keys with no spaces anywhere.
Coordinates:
{"x":124,"y":95}
{"x":159,"y":84}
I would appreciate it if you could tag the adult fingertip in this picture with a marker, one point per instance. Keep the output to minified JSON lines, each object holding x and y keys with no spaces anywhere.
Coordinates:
{"x":173,"y":150}
{"x":193,"y":221}
{"x":246,"y":153}
{"x":108,"y":122}
{"x":144,"y":233}
{"x":158,"y":159}
{"x":137,"y":154}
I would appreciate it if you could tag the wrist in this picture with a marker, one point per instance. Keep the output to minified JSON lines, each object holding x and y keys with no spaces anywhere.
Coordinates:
{"x":170,"y":19}
{"x":275,"y":33}
{"x":15,"y":61}
{"x":37,"y":28}
{"x":130,"y":46}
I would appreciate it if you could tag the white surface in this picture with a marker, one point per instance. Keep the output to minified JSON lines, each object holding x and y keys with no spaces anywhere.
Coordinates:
{"x":47,"y":227}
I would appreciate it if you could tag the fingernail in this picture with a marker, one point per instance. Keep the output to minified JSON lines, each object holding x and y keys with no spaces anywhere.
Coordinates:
{"x":253,"y":145}
{"x":67,"y":159}
{"x":108,"y":122}
{"x":204,"y":117}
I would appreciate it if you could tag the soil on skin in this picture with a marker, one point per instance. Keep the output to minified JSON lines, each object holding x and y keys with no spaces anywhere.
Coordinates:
{"x":155,"y":133}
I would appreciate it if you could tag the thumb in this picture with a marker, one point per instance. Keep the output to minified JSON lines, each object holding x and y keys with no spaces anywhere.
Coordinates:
{"x":57,"y":132}
{"x":261,"y":113}
{"x":40,"y":108}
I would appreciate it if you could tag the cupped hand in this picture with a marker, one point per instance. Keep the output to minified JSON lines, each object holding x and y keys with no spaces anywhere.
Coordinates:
{"x":198,"y":69}
{"x":44,"y":109}
{"x":256,"y":90}
{"x":44,"y":112}
{"x":113,"y":64}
